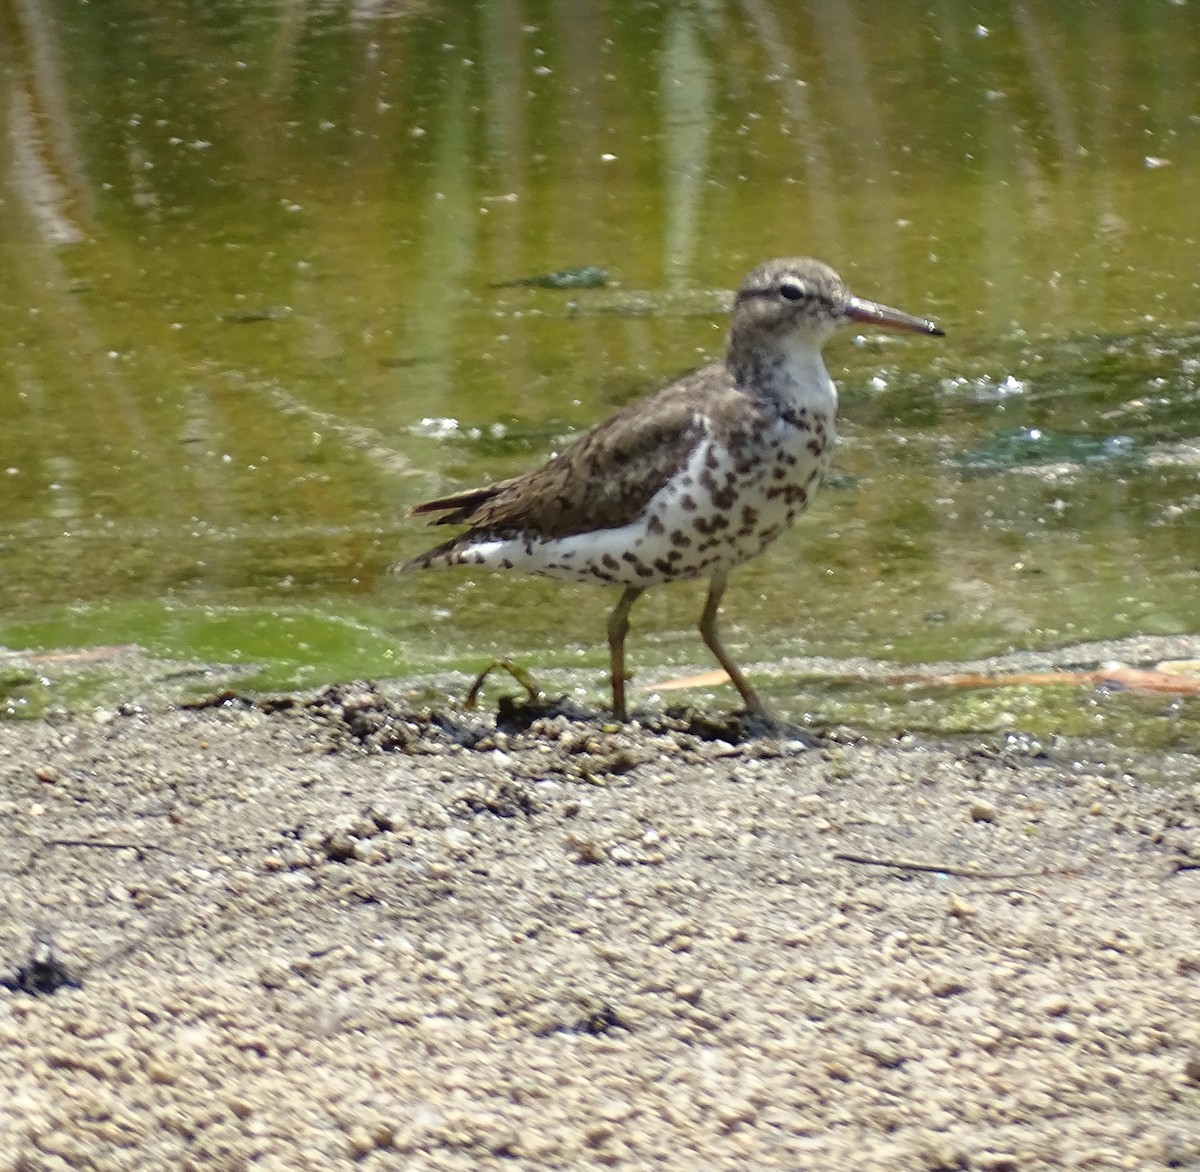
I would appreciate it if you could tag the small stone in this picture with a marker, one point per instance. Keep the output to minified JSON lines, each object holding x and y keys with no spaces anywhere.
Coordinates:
{"x":598,"y":1133}
{"x":885,"y":1052}
{"x":241,"y":1107}
{"x":1191,"y":1068}
{"x":947,"y":985}
{"x":731,"y":1114}
{"x":162,"y":1073}
{"x":338,"y":846}
{"x":274,"y":973}
{"x":385,"y":819}
{"x":997,"y":1162}
{"x":362,"y":1142}
{"x":1053,"y":1006}
{"x":941,"y":1154}
{"x":369,"y":851}
{"x":836,"y":1069}
{"x":586,"y":850}
{"x":960,"y":908}
{"x":615,"y":1110}
{"x":982,"y":811}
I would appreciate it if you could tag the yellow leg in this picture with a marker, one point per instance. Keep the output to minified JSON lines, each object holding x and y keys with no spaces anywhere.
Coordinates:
{"x":708,"y":632}
{"x":618,"y":628}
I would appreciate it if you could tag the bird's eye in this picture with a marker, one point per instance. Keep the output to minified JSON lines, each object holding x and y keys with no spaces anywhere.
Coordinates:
{"x":792,"y":290}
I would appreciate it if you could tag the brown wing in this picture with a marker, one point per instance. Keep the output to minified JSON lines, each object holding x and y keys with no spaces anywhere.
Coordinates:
{"x":605,"y":478}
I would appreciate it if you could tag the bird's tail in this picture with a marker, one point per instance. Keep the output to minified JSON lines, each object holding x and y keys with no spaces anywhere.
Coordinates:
{"x":446,"y":554}
{"x":457,"y":509}
{"x":460,"y":508}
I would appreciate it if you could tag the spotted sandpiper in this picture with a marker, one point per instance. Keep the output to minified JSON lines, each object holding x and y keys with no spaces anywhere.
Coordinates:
{"x":692,"y":480}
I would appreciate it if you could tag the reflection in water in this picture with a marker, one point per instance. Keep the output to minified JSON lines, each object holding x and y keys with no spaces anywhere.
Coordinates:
{"x":686,"y":88}
{"x":799,"y":122}
{"x":247,"y":248}
{"x":46,"y":171}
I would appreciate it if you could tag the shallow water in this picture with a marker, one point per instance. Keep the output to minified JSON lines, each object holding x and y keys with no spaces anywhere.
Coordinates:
{"x":249,"y":269}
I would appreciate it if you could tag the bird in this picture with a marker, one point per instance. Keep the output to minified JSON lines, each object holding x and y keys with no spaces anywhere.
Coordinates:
{"x":690,"y":481}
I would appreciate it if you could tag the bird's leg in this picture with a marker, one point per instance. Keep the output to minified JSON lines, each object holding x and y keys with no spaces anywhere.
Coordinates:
{"x":618,"y":628}
{"x":708,"y":632}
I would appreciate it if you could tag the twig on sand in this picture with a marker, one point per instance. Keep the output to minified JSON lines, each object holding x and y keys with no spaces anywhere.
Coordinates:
{"x":934,"y":868}
{"x":104,"y":844}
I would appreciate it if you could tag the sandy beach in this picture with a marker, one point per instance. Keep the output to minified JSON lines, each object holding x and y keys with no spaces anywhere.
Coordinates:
{"x":331,"y":933}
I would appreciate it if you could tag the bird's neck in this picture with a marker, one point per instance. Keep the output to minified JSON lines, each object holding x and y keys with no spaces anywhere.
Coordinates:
{"x":788,"y":371}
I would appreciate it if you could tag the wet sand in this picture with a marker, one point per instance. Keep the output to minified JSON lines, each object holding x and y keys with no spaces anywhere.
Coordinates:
{"x":338,"y":935}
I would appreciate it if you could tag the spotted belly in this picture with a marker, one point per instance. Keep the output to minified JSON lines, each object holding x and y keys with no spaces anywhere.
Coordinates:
{"x":720,"y":510}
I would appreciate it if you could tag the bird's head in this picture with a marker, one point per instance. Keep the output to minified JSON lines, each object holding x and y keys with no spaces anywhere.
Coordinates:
{"x":800,"y":296}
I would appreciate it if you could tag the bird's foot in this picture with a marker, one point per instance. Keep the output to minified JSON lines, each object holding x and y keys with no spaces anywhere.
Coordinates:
{"x":517,"y":672}
{"x":760,"y":721}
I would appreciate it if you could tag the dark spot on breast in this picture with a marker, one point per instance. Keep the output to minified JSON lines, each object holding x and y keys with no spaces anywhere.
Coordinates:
{"x":789,"y":458}
{"x":749,"y":517}
{"x":815,"y":447}
{"x":707,"y":480}
{"x":654,"y":525}
{"x":724,"y":499}
{"x":687,"y":503}
{"x":710,"y":458}
{"x":663,"y":566}
{"x":679,"y":538}
{"x":610,"y":561}
{"x":603,"y":575}
{"x":642,"y":570}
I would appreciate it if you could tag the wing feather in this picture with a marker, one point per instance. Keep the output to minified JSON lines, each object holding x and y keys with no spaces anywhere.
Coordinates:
{"x":601,"y":481}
